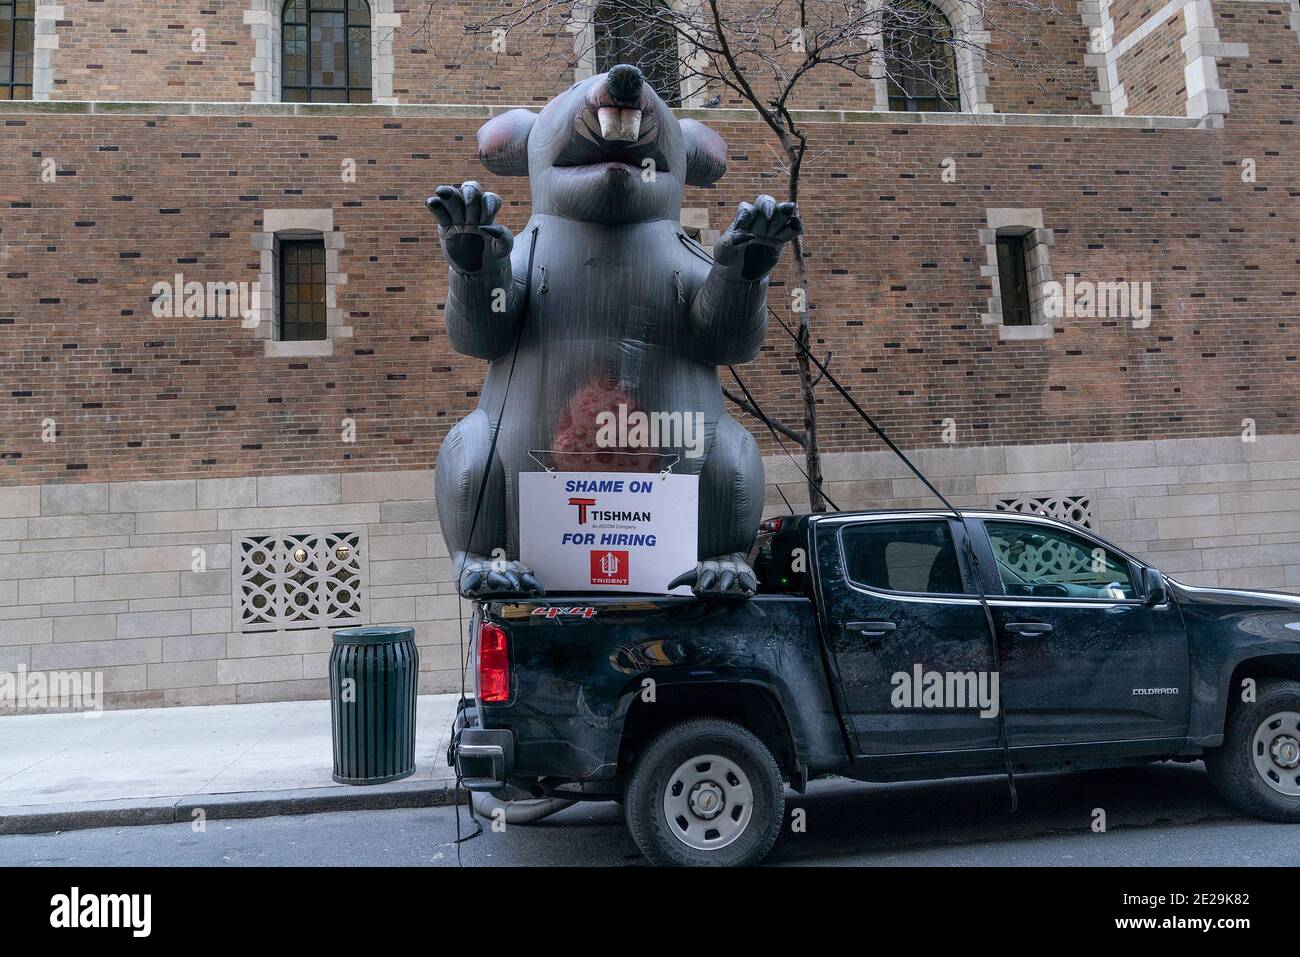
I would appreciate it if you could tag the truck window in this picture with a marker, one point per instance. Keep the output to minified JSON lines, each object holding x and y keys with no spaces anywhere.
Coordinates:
{"x":903,"y":556}
{"x":1044,"y":562}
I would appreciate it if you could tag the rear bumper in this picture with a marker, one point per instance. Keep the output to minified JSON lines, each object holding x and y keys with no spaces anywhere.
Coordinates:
{"x":483,"y":758}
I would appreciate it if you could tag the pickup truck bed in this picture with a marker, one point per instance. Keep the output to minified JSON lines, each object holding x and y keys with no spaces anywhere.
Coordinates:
{"x":580,"y":666}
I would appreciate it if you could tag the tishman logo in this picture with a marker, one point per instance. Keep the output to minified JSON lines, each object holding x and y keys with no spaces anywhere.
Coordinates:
{"x":583,"y":504}
{"x":75,"y":909}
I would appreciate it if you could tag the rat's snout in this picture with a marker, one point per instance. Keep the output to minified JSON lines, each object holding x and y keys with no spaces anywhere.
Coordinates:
{"x":624,"y":84}
{"x":618,"y":104}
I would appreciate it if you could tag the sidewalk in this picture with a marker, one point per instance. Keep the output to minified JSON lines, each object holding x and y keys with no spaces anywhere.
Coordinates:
{"x":157,"y":765}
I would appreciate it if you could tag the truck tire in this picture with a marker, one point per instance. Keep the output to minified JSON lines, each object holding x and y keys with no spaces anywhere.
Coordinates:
{"x":705,"y":793}
{"x":1258,"y":767}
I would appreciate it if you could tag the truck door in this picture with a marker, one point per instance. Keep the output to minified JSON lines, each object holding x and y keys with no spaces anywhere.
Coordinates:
{"x":1084,"y":659}
{"x":899,"y":615}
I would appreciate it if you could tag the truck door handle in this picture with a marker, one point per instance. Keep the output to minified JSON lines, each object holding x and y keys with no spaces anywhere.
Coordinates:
{"x":1028,"y":627}
{"x":871,"y":629}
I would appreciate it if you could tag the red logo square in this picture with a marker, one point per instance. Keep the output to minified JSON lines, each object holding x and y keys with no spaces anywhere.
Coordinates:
{"x":609,"y":567}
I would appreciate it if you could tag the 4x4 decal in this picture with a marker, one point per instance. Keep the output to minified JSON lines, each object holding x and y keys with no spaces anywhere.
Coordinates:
{"x":565,"y":611}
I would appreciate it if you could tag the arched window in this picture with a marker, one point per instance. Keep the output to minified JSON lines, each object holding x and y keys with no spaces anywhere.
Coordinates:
{"x":325,"y":51}
{"x":627,"y":32}
{"x":17,"y":25}
{"x":920,"y":59}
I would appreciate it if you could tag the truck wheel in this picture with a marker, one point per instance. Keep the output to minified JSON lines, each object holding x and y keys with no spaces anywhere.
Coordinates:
{"x":705,"y":793}
{"x":1258,"y":767}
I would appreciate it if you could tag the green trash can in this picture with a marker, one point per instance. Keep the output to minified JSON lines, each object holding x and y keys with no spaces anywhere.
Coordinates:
{"x":373,"y":674}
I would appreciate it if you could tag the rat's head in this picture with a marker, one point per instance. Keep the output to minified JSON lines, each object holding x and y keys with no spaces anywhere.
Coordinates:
{"x":607,"y":150}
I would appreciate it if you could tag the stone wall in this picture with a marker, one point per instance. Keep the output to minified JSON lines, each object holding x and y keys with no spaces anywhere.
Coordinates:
{"x":135,"y":579}
{"x":1222,"y":511}
{"x":102,"y":576}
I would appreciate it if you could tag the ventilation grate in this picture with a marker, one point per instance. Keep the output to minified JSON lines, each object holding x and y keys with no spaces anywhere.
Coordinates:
{"x":1076,"y":509}
{"x":300,"y":579}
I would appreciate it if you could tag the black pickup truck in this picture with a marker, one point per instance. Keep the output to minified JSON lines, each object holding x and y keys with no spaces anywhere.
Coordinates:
{"x":868,"y":653}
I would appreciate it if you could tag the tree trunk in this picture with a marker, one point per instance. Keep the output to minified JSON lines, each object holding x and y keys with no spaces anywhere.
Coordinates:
{"x":812,"y":454}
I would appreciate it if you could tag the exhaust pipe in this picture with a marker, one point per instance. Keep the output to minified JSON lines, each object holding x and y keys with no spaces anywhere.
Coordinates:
{"x":517,"y":812}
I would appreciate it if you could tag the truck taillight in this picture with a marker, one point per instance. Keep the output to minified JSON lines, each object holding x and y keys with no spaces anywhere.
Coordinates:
{"x":493,"y":663}
{"x":770,"y":527}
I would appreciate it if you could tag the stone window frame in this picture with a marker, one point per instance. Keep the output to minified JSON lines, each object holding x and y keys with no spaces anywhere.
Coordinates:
{"x":968,"y":27}
{"x":584,"y":49}
{"x":264,"y":17}
{"x":1202,"y":47}
{"x":1038,"y":263}
{"x":1110,"y":94}
{"x":45,"y":40}
{"x":298,"y":224}
{"x":695,"y":224}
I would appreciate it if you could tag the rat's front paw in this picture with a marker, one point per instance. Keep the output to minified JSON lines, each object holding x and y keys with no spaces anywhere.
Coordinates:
{"x":466,"y":217}
{"x":498,"y":579}
{"x":727,"y":576}
{"x":752,"y":244}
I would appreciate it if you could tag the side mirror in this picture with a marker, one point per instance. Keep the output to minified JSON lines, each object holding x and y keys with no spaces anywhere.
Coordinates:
{"x":1153,"y":583}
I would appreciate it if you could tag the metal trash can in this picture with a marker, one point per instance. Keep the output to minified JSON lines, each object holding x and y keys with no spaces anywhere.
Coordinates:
{"x":373,"y":674}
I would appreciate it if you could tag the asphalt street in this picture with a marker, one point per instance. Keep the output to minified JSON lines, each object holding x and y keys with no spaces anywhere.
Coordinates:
{"x":1163,"y":815}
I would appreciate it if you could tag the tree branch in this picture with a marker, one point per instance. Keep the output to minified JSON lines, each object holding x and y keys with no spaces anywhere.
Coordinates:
{"x":781,"y":427}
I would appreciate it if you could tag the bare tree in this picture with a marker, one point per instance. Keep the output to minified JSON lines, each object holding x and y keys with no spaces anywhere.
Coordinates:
{"x":769,"y":56}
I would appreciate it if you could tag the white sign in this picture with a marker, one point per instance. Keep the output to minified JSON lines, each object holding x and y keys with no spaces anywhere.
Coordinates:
{"x":609,"y":531}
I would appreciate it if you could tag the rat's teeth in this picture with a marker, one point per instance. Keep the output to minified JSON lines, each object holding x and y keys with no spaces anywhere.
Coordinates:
{"x":620,"y":126}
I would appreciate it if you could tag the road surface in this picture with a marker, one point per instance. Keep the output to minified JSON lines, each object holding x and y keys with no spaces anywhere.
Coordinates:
{"x":1160,"y":815}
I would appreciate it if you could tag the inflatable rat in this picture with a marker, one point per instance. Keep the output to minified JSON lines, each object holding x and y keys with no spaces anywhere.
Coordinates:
{"x":601,"y":302}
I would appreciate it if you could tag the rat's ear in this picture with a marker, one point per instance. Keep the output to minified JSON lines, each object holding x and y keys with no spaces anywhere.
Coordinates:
{"x":503,"y":142}
{"x":706,"y":154}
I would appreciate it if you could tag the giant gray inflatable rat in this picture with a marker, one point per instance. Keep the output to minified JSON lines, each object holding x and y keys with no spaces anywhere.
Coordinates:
{"x":618,"y":310}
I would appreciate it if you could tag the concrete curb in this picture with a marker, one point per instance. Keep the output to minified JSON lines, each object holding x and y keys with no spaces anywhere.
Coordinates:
{"x":133,"y":812}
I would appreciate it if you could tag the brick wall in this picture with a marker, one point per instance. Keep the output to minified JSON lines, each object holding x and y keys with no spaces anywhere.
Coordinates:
{"x":897,"y":290}
{"x":1035,"y":64}
{"x":1152,"y":72}
{"x":125,"y":50}
{"x":1129,"y":15}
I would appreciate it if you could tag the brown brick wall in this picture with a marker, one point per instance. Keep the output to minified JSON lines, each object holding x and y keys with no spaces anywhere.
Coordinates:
{"x":1152,"y":72}
{"x":896,"y":288}
{"x":1035,"y":63}
{"x":126,"y":50}
{"x":896,"y":283}
{"x":110,"y":51}
{"x":1128,"y":15}
{"x":437,"y":61}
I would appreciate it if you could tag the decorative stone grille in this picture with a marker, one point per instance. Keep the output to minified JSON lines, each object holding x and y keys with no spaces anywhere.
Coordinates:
{"x":300,"y":579}
{"x":1076,"y":509}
